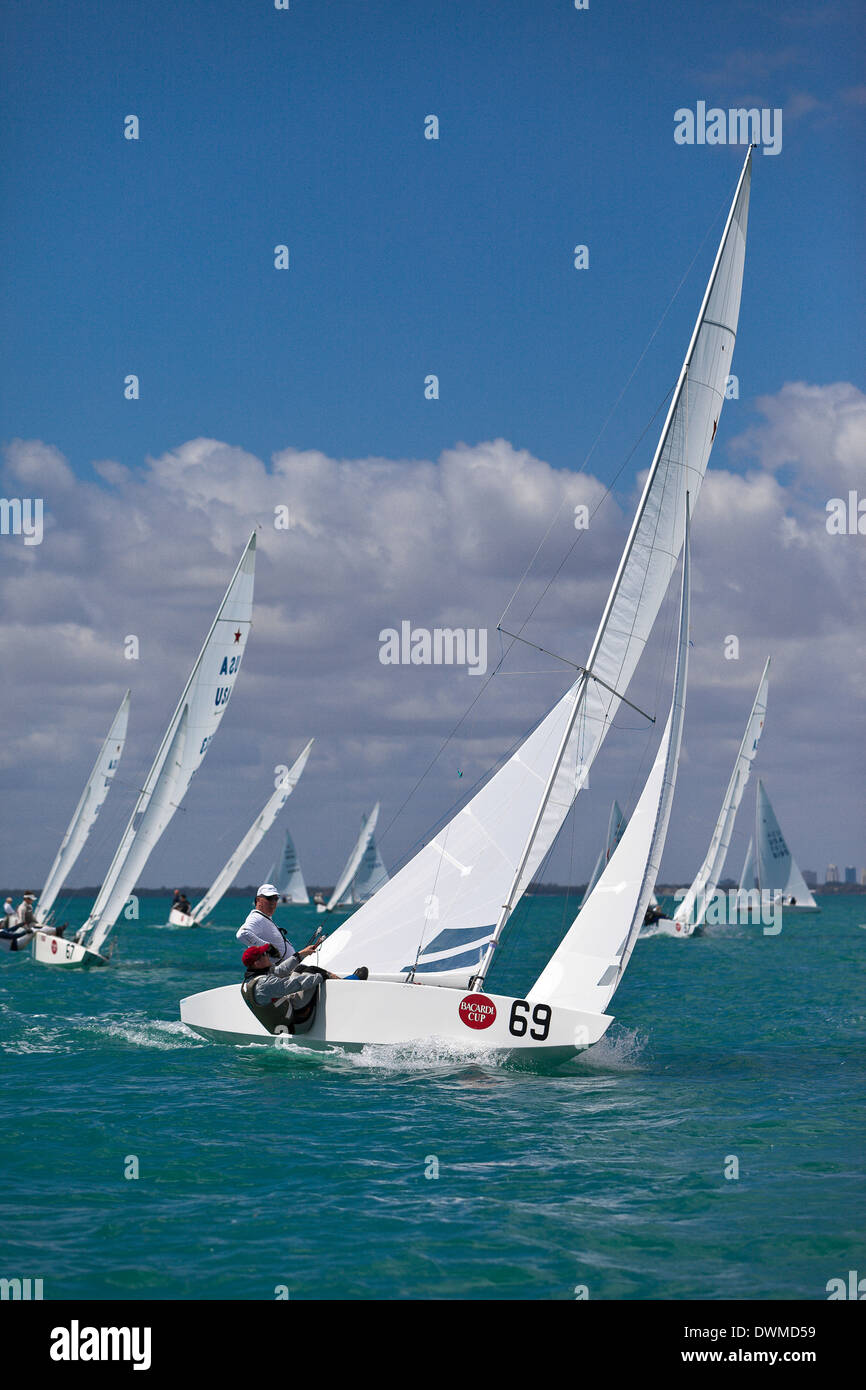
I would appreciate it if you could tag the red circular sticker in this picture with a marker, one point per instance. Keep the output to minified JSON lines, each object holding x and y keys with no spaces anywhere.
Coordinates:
{"x":477,"y":1011}
{"x":54,"y":946}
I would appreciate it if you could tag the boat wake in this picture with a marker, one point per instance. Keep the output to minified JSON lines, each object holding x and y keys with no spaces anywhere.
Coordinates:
{"x":622,"y":1052}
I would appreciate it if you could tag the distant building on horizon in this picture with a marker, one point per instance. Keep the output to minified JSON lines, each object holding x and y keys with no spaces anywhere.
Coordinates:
{"x":811,"y":878}
{"x":863,"y":878}
{"x":850,"y":873}
{"x":832,"y":875}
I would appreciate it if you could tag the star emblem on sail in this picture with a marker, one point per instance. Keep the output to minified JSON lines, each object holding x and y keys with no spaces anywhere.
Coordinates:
{"x":517,"y":814}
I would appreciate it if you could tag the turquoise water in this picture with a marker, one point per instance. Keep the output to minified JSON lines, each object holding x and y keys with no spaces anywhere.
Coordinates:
{"x":260,"y":1169}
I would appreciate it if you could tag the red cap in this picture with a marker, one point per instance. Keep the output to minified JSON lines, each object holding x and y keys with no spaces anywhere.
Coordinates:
{"x":252,"y":953}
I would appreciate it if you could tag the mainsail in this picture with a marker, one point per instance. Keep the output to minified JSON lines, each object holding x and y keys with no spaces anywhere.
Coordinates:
{"x":777,"y":868}
{"x":587,"y":966}
{"x":368,"y":826}
{"x":259,"y":828}
{"x":615,"y":827}
{"x":694,"y":905}
{"x":288,"y":876}
{"x":85,"y":813}
{"x":442,"y":912}
{"x":192,"y":726}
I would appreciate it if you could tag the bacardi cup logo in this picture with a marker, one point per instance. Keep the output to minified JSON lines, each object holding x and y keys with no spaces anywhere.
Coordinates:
{"x":477,"y":1011}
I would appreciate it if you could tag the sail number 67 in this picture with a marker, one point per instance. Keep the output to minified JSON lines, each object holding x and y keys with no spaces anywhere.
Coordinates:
{"x":519,"y":1020}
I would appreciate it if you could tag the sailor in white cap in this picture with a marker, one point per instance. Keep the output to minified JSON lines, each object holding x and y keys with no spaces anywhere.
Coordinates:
{"x":260,"y":929}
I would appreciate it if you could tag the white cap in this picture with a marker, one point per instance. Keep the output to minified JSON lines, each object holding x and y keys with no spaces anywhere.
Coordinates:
{"x":267,"y":890}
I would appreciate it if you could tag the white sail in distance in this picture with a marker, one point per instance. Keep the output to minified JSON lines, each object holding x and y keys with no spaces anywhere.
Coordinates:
{"x":196,"y":719}
{"x":368,"y":826}
{"x":586,"y":968}
{"x":440,"y":913}
{"x":694,"y":905}
{"x":287,"y":875}
{"x":256,"y":833}
{"x":747,"y":873}
{"x":369,"y":877}
{"x":615,"y":827}
{"x":85,"y":813}
{"x":777,"y":869}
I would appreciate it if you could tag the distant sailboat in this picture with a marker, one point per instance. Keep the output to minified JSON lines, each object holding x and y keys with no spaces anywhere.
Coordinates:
{"x":287,"y":875}
{"x":256,"y":833}
{"x":779,"y":878}
{"x":369,"y":878}
{"x":81,"y":824}
{"x":363,"y":868}
{"x":428,"y":936}
{"x":615,"y":827}
{"x":746,"y":890}
{"x":196,"y":719}
{"x":692,"y":911}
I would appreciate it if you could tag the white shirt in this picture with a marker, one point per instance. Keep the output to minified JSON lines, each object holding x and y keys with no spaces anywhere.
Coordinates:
{"x":259,"y":930}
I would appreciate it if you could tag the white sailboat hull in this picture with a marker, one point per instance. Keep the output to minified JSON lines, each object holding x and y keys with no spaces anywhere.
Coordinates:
{"x":354,"y":1014}
{"x":54,"y":950}
{"x":667,"y":926}
{"x":176,"y":918}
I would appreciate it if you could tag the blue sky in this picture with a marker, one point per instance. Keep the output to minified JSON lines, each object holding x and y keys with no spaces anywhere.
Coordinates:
{"x":411,"y":257}
{"x":408,"y":256}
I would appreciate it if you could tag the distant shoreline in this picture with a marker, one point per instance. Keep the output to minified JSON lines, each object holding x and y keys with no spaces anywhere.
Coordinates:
{"x":536,"y":889}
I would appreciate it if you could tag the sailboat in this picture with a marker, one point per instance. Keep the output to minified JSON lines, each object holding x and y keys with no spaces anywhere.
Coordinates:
{"x":748,"y":882}
{"x":429,"y":935}
{"x":256,"y":833}
{"x":779,"y":878}
{"x":83,"y":820}
{"x":363,"y":868}
{"x":369,"y":877}
{"x":287,"y":876}
{"x":692,"y":911}
{"x":190,"y":731}
{"x":615,"y":827}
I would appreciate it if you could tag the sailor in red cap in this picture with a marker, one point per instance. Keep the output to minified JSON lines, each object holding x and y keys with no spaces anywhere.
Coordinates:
{"x":281,"y":995}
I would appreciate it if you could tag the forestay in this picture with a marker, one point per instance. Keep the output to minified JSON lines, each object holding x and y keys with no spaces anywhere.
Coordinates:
{"x":259,"y":828}
{"x":88,"y":808}
{"x":777,"y":869}
{"x":441,"y":911}
{"x":694,"y":905}
{"x":586,"y":968}
{"x":192,"y":726}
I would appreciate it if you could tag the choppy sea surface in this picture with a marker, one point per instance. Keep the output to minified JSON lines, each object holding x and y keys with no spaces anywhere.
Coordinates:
{"x":261,"y":1171}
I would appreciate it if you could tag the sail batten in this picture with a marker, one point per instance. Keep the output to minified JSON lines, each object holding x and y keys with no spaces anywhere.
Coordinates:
{"x":191,"y":728}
